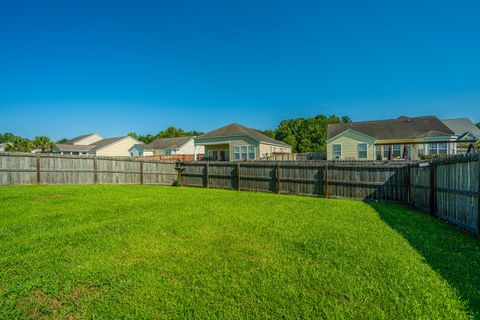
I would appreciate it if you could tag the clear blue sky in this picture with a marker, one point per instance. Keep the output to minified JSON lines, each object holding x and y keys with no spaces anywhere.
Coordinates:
{"x":71,"y":67}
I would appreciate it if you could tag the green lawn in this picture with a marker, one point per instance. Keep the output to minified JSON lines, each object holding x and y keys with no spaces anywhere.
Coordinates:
{"x":160,"y":252}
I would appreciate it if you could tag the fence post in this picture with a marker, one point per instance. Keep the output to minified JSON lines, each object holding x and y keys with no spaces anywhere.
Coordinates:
{"x":433,"y":181}
{"x":38,"y":168}
{"x":141,"y":171}
{"x":207,"y":177}
{"x":407,"y":184}
{"x":238,"y":176}
{"x":325,"y":180}
{"x":95,"y":171}
{"x":277,"y":178}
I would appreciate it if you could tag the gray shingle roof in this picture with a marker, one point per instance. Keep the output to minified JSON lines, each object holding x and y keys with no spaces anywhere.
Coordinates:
{"x":400,"y":128}
{"x":235,"y":129}
{"x":73,"y":147}
{"x":168,"y":143}
{"x":105,"y":142}
{"x":83,"y":136}
{"x":461,"y":126}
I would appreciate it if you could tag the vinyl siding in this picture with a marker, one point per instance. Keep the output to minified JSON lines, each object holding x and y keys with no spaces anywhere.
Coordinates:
{"x":118,"y":149}
{"x":349,"y":141}
{"x":89,"y":140}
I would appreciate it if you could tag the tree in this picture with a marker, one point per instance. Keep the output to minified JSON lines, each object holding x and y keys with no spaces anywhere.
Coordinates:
{"x":43,"y":143}
{"x":19,"y":145}
{"x":172,"y":132}
{"x":7,"y":137}
{"x":478,"y":124}
{"x":62,"y":141}
{"x":145,"y":139}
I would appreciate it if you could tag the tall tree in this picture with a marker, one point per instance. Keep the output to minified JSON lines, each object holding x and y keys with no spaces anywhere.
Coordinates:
{"x":43,"y":143}
{"x":172,"y":132}
{"x":19,"y":145}
{"x":7,"y":137}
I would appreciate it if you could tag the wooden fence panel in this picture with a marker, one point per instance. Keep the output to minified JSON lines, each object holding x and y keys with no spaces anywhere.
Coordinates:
{"x":367,"y":182}
{"x":302,"y":179}
{"x":193,"y":174}
{"x":457,"y":193}
{"x":18,"y":169}
{"x":220,"y":175}
{"x":420,"y":187}
{"x":113,"y":171}
{"x":161,"y":173}
{"x":58,"y":170}
{"x":257,"y":177}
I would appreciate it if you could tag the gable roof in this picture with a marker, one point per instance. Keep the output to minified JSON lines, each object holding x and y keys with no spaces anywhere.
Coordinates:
{"x":106,"y":142}
{"x":73,"y":147}
{"x":83,"y":136}
{"x":462,"y":126}
{"x":235,"y":129}
{"x":168,"y":143}
{"x":400,"y":128}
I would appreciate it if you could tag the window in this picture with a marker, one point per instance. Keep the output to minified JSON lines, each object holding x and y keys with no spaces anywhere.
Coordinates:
{"x":362,"y":151}
{"x":397,"y":151}
{"x":244,"y":152}
{"x":378,"y":152}
{"x":337,"y":151}
{"x":386,"y":152}
{"x":236,"y":152}
{"x":438,"y":148}
{"x":251,"y":152}
{"x":212,"y":155}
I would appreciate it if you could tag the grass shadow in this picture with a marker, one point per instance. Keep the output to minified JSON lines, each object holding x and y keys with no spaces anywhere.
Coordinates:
{"x":451,"y":252}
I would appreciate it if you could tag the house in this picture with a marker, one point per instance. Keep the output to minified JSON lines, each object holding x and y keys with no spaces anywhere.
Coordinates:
{"x":166,"y":146}
{"x":235,"y":142}
{"x":464,"y":129}
{"x":401,"y":138}
{"x":95,"y":145}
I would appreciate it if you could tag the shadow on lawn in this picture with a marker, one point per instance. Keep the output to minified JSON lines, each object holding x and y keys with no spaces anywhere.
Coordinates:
{"x":451,"y":252}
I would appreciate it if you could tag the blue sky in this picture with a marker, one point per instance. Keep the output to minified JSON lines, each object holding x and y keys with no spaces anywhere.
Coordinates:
{"x":70,"y":67}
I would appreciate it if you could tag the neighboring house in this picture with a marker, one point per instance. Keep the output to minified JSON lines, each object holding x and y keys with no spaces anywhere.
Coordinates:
{"x":464,"y":129}
{"x":96,"y":145}
{"x":235,"y":142}
{"x":166,"y":146}
{"x":140,"y":150}
{"x":401,"y":138}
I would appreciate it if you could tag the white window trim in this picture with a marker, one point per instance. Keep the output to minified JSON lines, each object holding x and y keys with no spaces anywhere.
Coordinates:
{"x":333,"y":151}
{"x":366,"y":150}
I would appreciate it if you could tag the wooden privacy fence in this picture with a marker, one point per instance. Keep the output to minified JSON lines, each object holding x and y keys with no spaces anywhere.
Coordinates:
{"x":57,"y":169}
{"x":357,"y":180}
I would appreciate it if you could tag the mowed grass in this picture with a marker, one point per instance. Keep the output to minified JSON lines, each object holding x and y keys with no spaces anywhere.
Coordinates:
{"x":161,"y":252}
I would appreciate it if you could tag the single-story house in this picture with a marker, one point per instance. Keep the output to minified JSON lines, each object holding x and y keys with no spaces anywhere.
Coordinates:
{"x":95,"y":145}
{"x":235,"y":142}
{"x":166,"y":146}
{"x":464,"y":129}
{"x":401,"y":138}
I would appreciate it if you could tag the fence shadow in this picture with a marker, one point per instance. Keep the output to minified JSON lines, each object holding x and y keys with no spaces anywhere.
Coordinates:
{"x":454,"y":254}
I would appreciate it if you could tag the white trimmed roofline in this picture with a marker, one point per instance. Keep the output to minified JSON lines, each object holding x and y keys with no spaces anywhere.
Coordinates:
{"x":115,"y":143}
{"x":352,"y":130}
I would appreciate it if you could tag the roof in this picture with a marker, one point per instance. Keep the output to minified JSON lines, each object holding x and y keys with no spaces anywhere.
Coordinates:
{"x":73,"y":147}
{"x":235,"y":129}
{"x":105,"y":142}
{"x":168,"y":143}
{"x":143,"y":146}
{"x":83,"y":136}
{"x":461,"y":126}
{"x":399,"y":128}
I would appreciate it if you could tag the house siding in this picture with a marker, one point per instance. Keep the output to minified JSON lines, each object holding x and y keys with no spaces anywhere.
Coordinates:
{"x":89,"y":140}
{"x":118,"y":149}
{"x":349,"y":141}
{"x":269,"y":149}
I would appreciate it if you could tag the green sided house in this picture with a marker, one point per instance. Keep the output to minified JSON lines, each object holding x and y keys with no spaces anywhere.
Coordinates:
{"x":235,"y":142}
{"x":402,"y":138}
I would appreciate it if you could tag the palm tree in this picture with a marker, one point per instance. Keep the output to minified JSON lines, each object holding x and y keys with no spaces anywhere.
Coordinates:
{"x":43,"y":143}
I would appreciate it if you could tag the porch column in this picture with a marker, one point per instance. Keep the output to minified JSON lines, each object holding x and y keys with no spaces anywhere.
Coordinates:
{"x":194,"y":152}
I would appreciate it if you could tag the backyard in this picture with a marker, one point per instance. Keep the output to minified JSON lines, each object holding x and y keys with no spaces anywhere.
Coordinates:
{"x":117,"y":251}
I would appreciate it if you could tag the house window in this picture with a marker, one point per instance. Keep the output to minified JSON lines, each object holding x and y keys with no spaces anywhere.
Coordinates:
{"x":236,"y":152}
{"x":386,"y":152}
{"x":212,"y":155}
{"x":438,"y":148}
{"x":362,"y":151}
{"x":244,"y":152}
{"x":251,"y":152}
{"x":397,"y":153}
{"x":337,"y":151}
{"x":378,"y":152}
